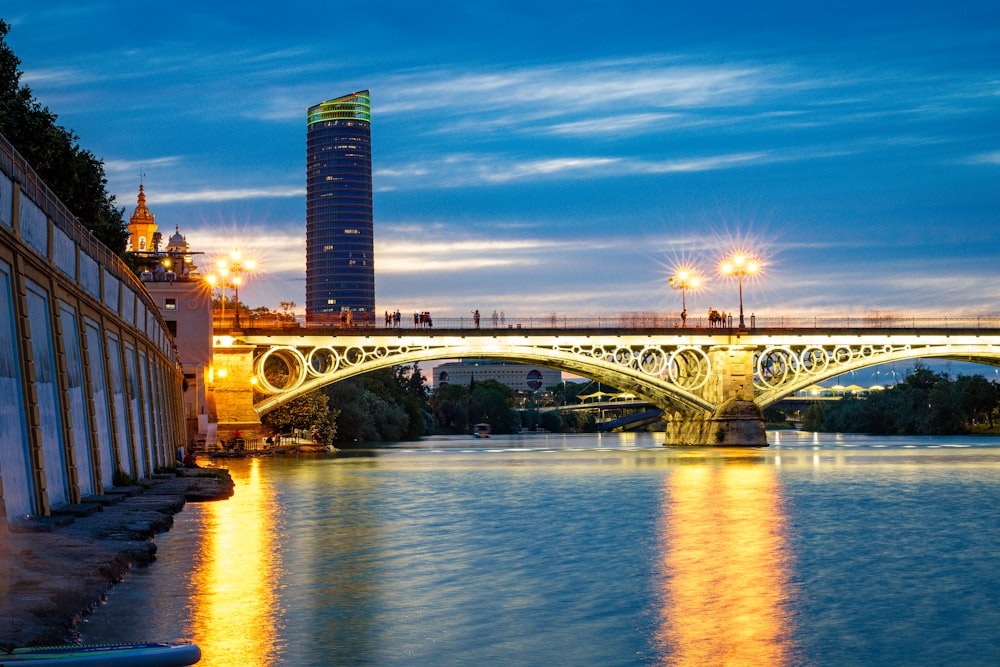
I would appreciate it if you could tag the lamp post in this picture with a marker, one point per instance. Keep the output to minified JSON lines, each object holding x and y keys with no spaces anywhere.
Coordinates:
{"x":232,"y":269}
{"x":684,"y":281}
{"x":740,"y":265}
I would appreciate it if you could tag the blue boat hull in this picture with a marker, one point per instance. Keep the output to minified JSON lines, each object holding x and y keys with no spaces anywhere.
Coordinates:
{"x":152,"y":654}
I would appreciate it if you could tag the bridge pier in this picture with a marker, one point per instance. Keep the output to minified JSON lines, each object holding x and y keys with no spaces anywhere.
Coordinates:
{"x":233,"y":377}
{"x":737,"y":421}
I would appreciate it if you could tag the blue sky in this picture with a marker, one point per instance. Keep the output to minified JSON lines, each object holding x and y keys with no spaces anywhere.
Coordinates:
{"x":562,"y":157}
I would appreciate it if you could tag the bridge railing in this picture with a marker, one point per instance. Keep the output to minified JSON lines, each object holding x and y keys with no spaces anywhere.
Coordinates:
{"x":655,"y":321}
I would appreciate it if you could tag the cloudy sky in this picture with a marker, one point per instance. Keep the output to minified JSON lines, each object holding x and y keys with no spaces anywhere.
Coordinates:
{"x":561,"y":157}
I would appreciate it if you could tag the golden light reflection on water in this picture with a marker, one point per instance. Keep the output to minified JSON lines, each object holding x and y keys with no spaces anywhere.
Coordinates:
{"x":725,"y":569}
{"x":234,"y":605}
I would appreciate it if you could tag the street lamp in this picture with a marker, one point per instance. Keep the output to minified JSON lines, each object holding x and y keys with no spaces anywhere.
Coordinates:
{"x":232,"y":269}
{"x":230,"y":272}
{"x":740,"y":265}
{"x":684,"y":281}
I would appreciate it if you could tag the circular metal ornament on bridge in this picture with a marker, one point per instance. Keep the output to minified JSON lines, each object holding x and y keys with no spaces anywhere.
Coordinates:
{"x":622,"y":356}
{"x":294,"y":361}
{"x":322,"y":360}
{"x":689,"y":368}
{"x":354,"y":355}
{"x":814,"y":360}
{"x":776,"y":366}
{"x":653,"y":361}
{"x":842,"y":354}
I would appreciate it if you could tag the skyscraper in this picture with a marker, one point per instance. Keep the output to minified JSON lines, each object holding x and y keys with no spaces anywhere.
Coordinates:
{"x":340,"y":269}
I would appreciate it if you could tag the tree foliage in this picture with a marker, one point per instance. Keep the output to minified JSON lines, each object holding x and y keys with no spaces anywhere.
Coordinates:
{"x":310,"y":413}
{"x":75,"y":175}
{"x":925,"y":403}
{"x":456,"y":407}
{"x":381,"y":406}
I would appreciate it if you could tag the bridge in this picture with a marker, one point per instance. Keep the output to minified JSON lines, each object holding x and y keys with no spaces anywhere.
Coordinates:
{"x":711,"y":382}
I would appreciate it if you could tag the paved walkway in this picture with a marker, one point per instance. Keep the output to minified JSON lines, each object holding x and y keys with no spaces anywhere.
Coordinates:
{"x":53,"y":570}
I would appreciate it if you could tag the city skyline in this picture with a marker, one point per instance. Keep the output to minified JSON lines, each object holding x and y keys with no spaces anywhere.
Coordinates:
{"x":563,"y":158}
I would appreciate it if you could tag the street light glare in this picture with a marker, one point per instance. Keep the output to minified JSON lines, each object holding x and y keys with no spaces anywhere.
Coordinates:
{"x":740,"y":265}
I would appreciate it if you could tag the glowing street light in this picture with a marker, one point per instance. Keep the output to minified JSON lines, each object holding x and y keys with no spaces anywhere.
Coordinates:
{"x":230,"y":272}
{"x":740,"y":265}
{"x":684,"y":281}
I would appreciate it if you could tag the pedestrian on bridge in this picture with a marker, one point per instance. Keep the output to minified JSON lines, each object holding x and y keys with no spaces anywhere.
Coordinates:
{"x":475,"y":318}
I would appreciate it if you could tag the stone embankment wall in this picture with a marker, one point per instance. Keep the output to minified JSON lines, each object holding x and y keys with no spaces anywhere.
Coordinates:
{"x":90,"y":381}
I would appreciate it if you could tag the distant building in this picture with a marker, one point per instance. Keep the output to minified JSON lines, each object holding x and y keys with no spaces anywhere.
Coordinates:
{"x":340,"y":268}
{"x":519,"y":377}
{"x":184,"y":299}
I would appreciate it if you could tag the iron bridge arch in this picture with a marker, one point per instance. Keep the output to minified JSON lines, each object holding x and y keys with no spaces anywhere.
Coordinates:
{"x":674,"y":372}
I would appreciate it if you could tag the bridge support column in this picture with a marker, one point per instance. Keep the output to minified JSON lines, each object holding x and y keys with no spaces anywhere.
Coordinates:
{"x":738,"y":421}
{"x":232,"y":373}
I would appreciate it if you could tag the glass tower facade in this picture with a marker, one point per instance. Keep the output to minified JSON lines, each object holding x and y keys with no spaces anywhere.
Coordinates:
{"x":340,"y":268}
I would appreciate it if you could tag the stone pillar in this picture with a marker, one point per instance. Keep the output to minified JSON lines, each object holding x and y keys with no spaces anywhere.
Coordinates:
{"x":232,"y":367}
{"x":737,"y":421}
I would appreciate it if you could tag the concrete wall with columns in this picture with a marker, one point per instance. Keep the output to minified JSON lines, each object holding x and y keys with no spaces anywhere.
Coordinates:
{"x":90,"y":382}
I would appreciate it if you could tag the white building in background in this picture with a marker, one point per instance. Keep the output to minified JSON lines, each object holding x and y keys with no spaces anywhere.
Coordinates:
{"x":184,"y":299}
{"x":519,"y":377}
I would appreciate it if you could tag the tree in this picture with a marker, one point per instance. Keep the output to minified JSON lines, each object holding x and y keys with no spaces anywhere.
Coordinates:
{"x":310,"y":412}
{"x":979,"y":396}
{"x":450,"y":407}
{"x":926,"y":403}
{"x":493,"y":402}
{"x":364,"y":416}
{"x":73,"y":174}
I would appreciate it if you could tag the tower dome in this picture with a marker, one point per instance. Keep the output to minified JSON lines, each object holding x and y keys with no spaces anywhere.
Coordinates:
{"x":177,"y":242}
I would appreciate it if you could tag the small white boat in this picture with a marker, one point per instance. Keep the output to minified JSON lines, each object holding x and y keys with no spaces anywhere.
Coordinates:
{"x":481,"y":430}
{"x":150,"y":654}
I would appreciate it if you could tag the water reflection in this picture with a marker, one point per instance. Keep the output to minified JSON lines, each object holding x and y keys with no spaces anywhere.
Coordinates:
{"x":725,"y":567}
{"x":232,"y":582}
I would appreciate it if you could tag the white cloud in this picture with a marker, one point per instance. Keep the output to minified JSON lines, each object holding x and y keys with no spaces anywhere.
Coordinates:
{"x":138,"y":166}
{"x":234,"y":194}
{"x":985,"y":158}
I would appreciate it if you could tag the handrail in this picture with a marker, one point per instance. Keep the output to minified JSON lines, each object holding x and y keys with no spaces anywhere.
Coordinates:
{"x":626,"y":321}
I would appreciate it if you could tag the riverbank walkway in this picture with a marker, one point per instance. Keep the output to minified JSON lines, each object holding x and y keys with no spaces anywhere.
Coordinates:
{"x":54,"y":570}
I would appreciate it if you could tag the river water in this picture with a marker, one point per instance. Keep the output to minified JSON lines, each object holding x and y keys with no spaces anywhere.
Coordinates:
{"x":586,"y":550}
